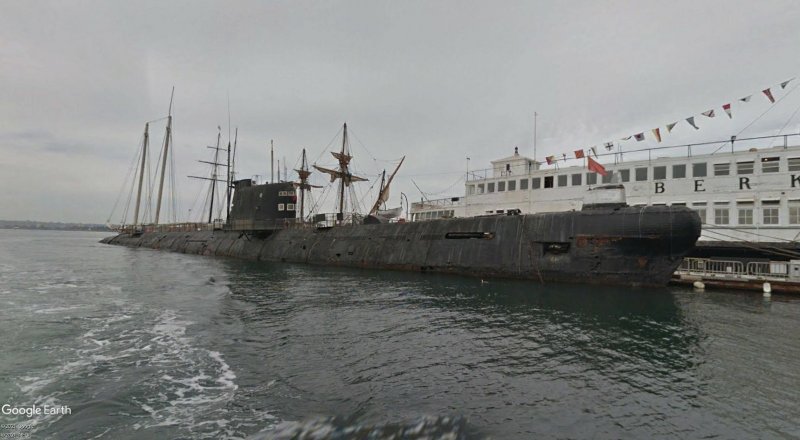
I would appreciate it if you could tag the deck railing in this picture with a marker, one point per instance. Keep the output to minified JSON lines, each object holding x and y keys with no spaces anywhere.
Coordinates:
{"x":709,"y":267}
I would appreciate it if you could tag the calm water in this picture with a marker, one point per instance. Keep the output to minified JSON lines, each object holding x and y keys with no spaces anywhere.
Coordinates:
{"x":145,"y":344}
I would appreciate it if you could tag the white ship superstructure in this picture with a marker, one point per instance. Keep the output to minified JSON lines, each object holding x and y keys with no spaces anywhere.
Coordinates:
{"x":742,"y":192}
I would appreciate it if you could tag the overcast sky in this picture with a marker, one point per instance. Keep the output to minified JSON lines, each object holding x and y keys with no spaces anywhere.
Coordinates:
{"x":436,"y":81}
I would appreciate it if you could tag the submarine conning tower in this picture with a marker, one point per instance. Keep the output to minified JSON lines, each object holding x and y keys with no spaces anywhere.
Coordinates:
{"x":262,"y":207}
{"x":605,"y":196}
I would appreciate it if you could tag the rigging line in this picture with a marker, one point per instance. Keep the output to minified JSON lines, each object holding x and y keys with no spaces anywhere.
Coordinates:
{"x":784,"y":125}
{"x":173,"y":183}
{"x":420,"y":191}
{"x":124,"y":184}
{"x":362,"y":145}
{"x":460,"y":178}
{"x":763,"y":248}
{"x":772,"y":106}
{"x":328,"y":146}
{"x":744,"y":231}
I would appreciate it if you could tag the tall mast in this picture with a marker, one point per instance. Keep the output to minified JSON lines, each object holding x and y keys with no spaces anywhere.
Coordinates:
{"x":535,"y":116}
{"x":342,"y":173}
{"x":383,"y":195}
{"x":141,"y":174}
{"x":214,"y":175}
{"x":228,"y":184}
{"x":271,"y":162}
{"x":342,"y":170}
{"x":304,"y":167}
{"x":233,"y":169}
{"x":166,"y":152}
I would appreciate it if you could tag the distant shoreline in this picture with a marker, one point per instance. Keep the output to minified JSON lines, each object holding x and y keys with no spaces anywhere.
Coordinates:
{"x":52,"y":226}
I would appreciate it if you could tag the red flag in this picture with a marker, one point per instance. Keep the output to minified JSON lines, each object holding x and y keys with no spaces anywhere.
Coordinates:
{"x":769,"y":95}
{"x":727,"y":108}
{"x":550,"y":159}
{"x":657,"y":134}
{"x":578,"y":154}
{"x":596,"y":167}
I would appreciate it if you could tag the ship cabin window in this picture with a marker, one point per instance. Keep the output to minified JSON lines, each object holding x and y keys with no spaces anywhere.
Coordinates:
{"x":562,"y":180}
{"x":512,"y":185}
{"x":659,"y":204}
{"x":470,"y":190}
{"x":660,"y":173}
{"x":501,"y":186}
{"x":745,"y":212}
{"x":591,"y":178}
{"x":794,"y":212}
{"x":624,"y":175}
{"x":490,"y":187}
{"x":577,"y":179}
{"x":499,"y":211}
{"x":290,"y":206}
{"x":607,"y":178}
{"x":794,"y":163}
{"x":641,"y":174}
{"x":523,"y":184}
{"x":679,"y":171}
{"x":721,"y":213}
{"x":744,"y":167}
{"x":722,"y":169}
{"x":700,"y":208}
{"x":548,"y":181}
{"x":677,"y":204}
{"x":770,"y":164}
{"x":699,"y":169}
{"x":536,"y":183}
{"x":281,"y":207}
{"x":771,"y":210}
{"x":480,"y":188}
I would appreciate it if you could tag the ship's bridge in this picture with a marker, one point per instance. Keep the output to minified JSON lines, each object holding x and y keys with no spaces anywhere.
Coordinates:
{"x":512,"y":165}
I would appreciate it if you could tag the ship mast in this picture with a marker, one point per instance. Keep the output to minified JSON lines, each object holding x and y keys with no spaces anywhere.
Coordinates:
{"x":343,"y":167}
{"x":383,"y":195}
{"x":343,"y":173}
{"x":214,"y":176}
{"x":141,"y":174}
{"x":167,"y":137}
{"x":303,"y":185}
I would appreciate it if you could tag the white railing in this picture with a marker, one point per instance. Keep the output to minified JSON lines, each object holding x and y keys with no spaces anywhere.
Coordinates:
{"x":735,"y":269}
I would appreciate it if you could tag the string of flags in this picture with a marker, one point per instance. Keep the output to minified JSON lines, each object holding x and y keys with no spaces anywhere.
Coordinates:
{"x":657,"y":133}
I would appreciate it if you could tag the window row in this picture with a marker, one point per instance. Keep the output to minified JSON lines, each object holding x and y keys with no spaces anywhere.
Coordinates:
{"x":286,"y":207}
{"x":432,"y":215}
{"x":640,"y":174}
{"x":745,"y":213}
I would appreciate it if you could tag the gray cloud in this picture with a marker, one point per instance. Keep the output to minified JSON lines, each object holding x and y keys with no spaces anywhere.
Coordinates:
{"x":436,"y":81}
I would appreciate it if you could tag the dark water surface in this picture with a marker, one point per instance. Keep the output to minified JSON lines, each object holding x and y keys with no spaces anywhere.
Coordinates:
{"x":147,"y":344}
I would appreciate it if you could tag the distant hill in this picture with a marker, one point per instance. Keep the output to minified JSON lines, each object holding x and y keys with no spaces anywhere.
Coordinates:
{"x":52,"y":226}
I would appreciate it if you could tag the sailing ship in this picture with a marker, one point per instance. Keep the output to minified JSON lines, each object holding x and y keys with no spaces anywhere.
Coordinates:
{"x":605,"y":242}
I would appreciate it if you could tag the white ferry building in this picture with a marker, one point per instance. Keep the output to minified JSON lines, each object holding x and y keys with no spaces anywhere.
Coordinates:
{"x":743,"y":193}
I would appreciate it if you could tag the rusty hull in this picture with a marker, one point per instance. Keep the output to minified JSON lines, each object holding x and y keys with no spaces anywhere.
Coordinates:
{"x":637,"y":246}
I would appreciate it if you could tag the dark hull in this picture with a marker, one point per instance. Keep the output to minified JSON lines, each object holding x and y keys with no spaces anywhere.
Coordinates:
{"x":639,"y":246}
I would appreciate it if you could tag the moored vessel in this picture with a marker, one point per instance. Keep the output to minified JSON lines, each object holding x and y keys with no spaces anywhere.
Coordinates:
{"x":604,"y":242}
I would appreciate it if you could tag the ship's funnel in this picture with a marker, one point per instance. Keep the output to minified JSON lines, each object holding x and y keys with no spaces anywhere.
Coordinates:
{"x":605,"y":196}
